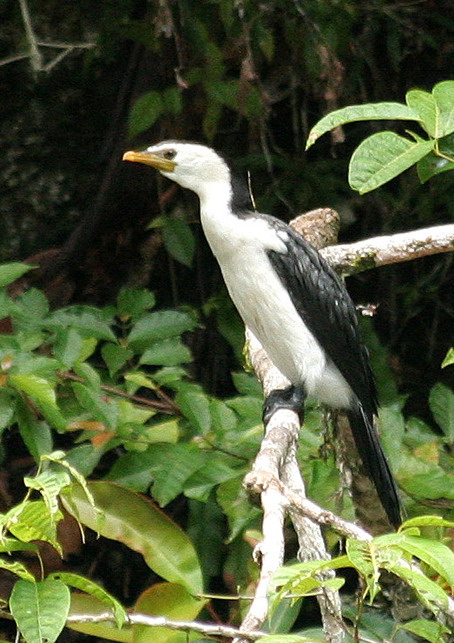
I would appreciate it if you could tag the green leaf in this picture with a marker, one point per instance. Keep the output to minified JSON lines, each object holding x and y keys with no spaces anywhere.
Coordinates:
{"x":429,"y":593}
{"x":105,"y":412}
{"x":171,"y":98}
{"x":353,"y":113}
{"x":362,"y":556}
{"x":68,"y":347}
{"x":159,"y":325}
{"x":40,"y":609}
{"x":145,"y":111}
{"x":441,"y":402}
{"x":425,"y":106}
{"x":381,"y":157}
{"x":172,"y":466}
{"x":49,"y":483}
{"x":7,"y":404}
{"x":85,"y":605}
{"x":115,"y":356}
{"x":179,"y":241}
{"x":195,"y":406}
{"x":449,"y":359}
{"x":139,"y":524}
{"x":15,"y":567}
{"x":38,"y":388}
{"x":443,"y":94}
{"x":9,"y":272}
{"x":427,"y":521}
{"x":32,"y":521}
{"x":36,"y":435}
{"x":200,"y":485}
{"x":430,"y":630}
{"x":435,"y":554}
{"x":89,"y":587}
{"x":132,"y":302}
{"x":167,"y":352}
{"x":431,"y":165}
{"x":171,"y":601}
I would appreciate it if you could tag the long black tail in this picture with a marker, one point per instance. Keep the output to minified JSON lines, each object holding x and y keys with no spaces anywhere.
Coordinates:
{"x":375,"y":463}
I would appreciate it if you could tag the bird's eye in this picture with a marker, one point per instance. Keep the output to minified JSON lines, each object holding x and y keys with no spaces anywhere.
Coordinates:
{"x":169,"y":154}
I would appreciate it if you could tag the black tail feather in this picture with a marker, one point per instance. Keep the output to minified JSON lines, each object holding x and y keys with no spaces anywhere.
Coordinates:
{"x":375,"y":463}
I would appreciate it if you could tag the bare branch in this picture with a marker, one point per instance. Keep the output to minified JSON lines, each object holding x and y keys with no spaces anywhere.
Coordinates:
{"x":379,"y":251}
{"x":161,"y":621}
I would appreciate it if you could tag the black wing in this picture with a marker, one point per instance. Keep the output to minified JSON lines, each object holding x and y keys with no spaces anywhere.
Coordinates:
{"x":324,"y":304}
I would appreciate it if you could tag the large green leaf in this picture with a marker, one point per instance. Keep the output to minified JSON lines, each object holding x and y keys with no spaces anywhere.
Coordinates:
{"x":383,"y":156}
{"x":139,"y":524}
{"x":169,"y":600}
{"x":368,"y":112}
{"x":40,"y":609}
{"x":428,"y":630}
{"x":145,"y":111}
{"x":85,"y":605}
{"x":159,"y":325}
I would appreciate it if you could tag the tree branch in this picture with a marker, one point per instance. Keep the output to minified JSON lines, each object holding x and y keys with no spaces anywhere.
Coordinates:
{"x":379,"y":251}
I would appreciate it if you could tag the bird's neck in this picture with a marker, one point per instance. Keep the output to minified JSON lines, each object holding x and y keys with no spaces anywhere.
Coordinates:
{"x":220,"y":224}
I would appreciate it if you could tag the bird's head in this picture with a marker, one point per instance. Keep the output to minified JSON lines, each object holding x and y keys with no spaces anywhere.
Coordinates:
{"x":191,"y":165}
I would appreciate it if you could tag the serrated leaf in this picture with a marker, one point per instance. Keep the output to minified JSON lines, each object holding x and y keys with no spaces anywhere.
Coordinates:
{"x":9,"y":272}
{"x":144,"y":112}
{"x":381,"y":157}
{"x":38,"y":388}
{"x":353,"y":113}
{"x":167,"y":352}
{"x":89,"y":587}
{"x":40,"y":609}
{"x":159,"y":325}
{"x":179,"y":241}
{"x":441,"y":402}
{"x":139,"y":524}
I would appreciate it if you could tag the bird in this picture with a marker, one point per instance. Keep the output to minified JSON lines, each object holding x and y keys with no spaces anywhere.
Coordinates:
{"x":290,"y":299}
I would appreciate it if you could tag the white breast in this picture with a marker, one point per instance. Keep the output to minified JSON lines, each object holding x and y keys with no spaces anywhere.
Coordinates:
{"x":240,"y":247}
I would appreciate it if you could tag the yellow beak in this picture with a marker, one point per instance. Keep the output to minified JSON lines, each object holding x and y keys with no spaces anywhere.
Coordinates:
{"x":161,"y":164}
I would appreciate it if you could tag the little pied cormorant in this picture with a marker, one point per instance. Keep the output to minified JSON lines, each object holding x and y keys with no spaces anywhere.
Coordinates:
{"x":288,"y":296}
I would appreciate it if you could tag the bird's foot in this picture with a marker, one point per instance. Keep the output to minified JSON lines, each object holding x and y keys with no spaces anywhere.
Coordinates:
{"x":287,"y":398}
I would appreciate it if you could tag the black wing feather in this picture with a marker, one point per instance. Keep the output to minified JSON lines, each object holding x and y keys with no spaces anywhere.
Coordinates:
{"x":322,"y":301}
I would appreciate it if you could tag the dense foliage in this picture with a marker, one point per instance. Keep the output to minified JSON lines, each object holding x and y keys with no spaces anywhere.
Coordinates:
{"x":112,"y":393}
